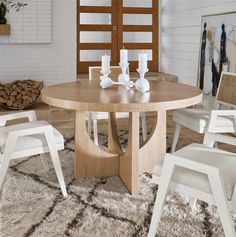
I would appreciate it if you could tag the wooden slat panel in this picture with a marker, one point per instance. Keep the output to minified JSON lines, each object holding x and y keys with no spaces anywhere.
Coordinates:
{"x":85,"y":27}
{"x":117,"y":10}
{"x":138,"y":45}
{"x":120,"y":24}
{"x":138,"y":28}
{"x":114,"y":51}
{"x":89,"y":9}
{"x":93,"y":63}
{"x":78,"y":37}
{"x":137,"y":10}
{"x":155,"y":34}
{"x":95,"y":46}
{"x":83,"y":66}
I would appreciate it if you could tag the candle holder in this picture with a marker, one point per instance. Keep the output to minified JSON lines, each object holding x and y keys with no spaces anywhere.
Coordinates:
{"x":124,"y":77}
{"x":105,"y":79}
{"x":142,"y":84}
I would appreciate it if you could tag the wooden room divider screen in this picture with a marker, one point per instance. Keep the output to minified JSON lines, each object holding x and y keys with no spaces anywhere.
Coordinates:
{"x":106,"y":26}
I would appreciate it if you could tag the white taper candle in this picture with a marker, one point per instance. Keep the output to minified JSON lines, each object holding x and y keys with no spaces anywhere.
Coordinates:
{"x":142,"y":62}
{"x":106,"y":63}
{"x":123,"y":56}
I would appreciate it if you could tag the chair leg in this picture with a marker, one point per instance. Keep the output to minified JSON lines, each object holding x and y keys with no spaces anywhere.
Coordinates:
{"x":58,"y":170}
{"x":167,"y":172}
{"x":192,"y":203}
{"x":3,"y":169}
{"x":95,"y":131}
{"x":144,"y":126}
{"x":218,"y":189}
{"x":56,"y":161}
{"x":43,"y":158}
{"x":176,"y":137}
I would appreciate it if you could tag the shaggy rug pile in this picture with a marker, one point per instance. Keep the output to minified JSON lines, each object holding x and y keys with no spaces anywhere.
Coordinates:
{"x":32,"y":204}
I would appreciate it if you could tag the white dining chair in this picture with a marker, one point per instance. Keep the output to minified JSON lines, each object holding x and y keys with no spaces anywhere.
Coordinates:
{"x":28,"y":139}
{"x":200,"y":171}
{"x":197,"y":119}
{"x":94,"y":74}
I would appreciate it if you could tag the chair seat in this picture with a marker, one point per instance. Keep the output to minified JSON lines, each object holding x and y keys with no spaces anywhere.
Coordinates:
{"x":31,"y":141}
{"x":225,"y":161}
{"x":197,"y":120}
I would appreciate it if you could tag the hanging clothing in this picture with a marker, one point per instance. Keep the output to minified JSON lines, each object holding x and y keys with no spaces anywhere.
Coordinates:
{"x":223,"y":57}
{"x":203,"y":56}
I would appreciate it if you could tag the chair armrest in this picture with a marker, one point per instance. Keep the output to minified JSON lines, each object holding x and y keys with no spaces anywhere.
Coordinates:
{"x":190,"y":164}
{"x":26,"y":114}
{"x":211,"y":138}
{"x":197,"y":111}
{"x":30,"y":131}
{"x":223,"y":112}
{"x":219,"y":113}
{"x":46,"y":130}
{"x":14,"y":135}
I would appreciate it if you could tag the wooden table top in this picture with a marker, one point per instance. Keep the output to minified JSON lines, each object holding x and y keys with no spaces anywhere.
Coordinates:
{"x":85,"y":95}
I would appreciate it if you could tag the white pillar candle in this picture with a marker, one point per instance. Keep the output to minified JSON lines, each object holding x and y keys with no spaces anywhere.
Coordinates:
{"x":106,"y":63}
{"x":123,"y":56}
{"x":142,"y":62}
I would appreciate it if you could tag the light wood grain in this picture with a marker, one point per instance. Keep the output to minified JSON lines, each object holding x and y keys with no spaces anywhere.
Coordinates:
{"x":90,"y":160}
{"x":86,"y":95}
{"x":129,"y":161}
{"x":113,"y":140}
{"x":154,"y":149}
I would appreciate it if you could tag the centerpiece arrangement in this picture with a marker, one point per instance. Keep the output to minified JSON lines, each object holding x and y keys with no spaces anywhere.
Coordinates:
{"x":6,"y":5}
{"x":141,"y":84}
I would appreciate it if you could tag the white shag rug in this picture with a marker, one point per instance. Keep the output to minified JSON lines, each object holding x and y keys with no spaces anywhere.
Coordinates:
{"x":32,"y":205}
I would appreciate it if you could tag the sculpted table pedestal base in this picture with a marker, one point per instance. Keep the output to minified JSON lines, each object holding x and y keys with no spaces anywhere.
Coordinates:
{"x":92,"y":161}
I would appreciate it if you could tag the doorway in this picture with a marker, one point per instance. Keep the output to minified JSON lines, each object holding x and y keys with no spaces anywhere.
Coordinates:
{"x":106,"y":26}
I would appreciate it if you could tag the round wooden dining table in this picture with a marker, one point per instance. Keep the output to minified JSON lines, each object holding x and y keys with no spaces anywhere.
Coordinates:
{"x":93,"y":161}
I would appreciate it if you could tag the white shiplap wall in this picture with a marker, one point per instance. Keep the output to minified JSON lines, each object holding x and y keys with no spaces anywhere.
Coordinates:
{"x":54,"y":62}
{"x":181,"y":32}
{"x":32,"y":24}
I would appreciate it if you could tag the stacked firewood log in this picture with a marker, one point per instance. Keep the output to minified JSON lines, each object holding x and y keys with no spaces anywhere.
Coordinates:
{"x":20,"y":94}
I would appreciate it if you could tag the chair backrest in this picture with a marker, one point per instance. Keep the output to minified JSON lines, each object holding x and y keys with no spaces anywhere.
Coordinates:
{"x":226,"y":94}
{"x":95,"y":73}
